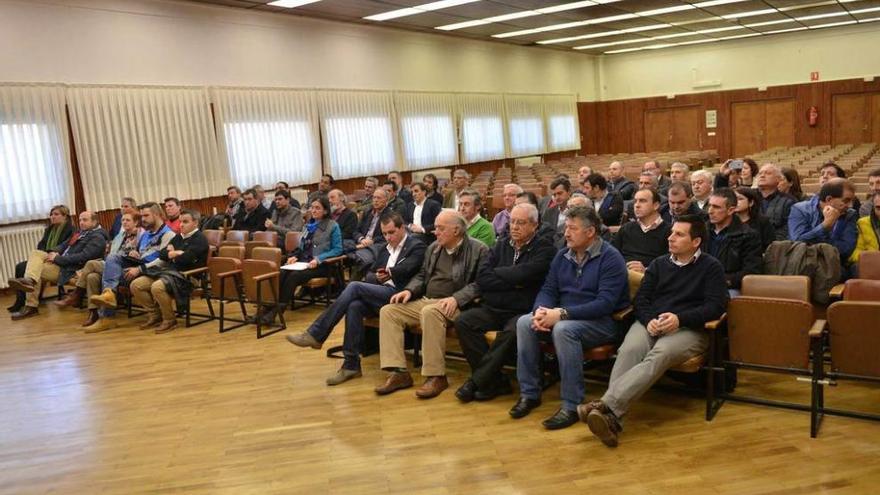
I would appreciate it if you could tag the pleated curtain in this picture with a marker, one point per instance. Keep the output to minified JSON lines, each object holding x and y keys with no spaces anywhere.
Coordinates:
{"x":268,"y":135}
{"x":34,"y":152}
{"x":525,"y":121}
{"x":359,"y":133}
{"x":427,"y":129}
{"x":563,"y":129}
{"x":145,"y":142}
{"x":482,"y":127}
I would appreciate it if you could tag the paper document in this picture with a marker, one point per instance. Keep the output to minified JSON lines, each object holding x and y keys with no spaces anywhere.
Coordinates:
{"x":298,"y":266}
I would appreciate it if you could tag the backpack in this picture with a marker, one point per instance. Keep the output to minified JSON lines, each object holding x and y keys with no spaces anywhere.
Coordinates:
{"x":819,"y":262}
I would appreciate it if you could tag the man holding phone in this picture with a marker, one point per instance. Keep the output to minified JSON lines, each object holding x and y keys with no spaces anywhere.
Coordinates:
{"x":396,"y":260}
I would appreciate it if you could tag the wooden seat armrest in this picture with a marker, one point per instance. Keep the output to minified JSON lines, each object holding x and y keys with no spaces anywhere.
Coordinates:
{"x":818,"y":329}
{"x":228,"y":274}
{"x":622,"y":314}
{"x":836,"y":292}
{"x":335,"y":259}
{"x":714,"y":324}
{"x":194,"y":271}
{"x":266,"y":276}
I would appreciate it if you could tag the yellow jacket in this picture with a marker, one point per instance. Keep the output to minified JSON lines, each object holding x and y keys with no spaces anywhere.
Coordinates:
{"x":867,"y":240}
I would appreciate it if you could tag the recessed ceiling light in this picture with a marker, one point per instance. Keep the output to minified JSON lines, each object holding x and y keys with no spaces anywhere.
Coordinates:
{"x":778,"y":31}
{"x":769,"y":23}
{"x":752,"y":13}
{"x":291,"y":3}
{"x":832,"y":24}
{"x":606,"y":33}
{"x":821,"y":16}
{"x":417,"y":9}
{"x":489,"y":20}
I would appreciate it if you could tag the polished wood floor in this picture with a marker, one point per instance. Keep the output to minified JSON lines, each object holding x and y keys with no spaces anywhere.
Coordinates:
{"x":194,"y":411}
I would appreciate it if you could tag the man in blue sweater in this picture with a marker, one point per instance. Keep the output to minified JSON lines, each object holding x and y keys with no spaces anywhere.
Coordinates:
{"x":586,"y":283}
{"x":827,"y":218}
{"x":679,"y":294}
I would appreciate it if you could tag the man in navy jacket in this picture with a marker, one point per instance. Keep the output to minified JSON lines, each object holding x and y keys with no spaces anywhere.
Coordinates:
{"x":587,"y":282}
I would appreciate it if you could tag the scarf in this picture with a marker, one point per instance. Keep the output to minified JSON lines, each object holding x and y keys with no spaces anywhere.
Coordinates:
{"x":54,"y":236}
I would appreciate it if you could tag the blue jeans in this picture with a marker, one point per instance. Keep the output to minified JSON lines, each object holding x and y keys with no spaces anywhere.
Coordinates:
{"x":570,"y":338}
{"x":114,"y":265}
{"x":359,"y":299}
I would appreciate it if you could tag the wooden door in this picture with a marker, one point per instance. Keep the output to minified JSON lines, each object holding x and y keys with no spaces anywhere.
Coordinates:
{"x":850,"y":119}
{"x":748,"y":128}
{"x":686,"y":129}
{"x":780,"y":120}
{"x":658,"y":130}
{"x":875,"y":117}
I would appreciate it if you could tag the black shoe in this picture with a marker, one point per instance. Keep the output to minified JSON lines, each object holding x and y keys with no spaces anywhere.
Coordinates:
{"x":562,"y":419}
{"x":523,"y":407}
{"x":501,"y":387}
{"x":17,"y":305}
{"x":466,"y":392}
{"x":267,"y":318}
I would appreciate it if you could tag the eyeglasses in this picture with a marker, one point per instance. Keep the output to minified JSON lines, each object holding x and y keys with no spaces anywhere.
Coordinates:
{"x":519,"y":222}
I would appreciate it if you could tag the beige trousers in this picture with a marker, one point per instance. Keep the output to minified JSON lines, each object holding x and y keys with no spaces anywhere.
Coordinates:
{"x":151,"y":294}
{"x":38,"y":270}
{"x":394,"y":318}
{"x":89,"y":278}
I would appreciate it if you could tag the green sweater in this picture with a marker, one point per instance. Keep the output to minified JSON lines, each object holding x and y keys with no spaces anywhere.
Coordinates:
{"x":482,"y":231}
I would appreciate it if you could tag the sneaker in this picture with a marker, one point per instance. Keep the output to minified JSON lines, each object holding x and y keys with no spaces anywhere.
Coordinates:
{"x":303,"y":339}
{"x":343,"y":375}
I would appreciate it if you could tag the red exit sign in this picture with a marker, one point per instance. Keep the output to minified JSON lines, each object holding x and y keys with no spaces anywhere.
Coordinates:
{"x":814,"y":76}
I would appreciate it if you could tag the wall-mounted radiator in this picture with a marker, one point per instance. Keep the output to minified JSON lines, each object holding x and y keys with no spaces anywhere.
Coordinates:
{"x":16,"y":243}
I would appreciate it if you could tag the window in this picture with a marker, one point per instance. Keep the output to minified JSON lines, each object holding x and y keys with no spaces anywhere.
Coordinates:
{"x":562,"y":123}
{"x":525,"y":115}
{"x":427,"y":129}
{"x":359,"y":133}
{"x":482,"y":127}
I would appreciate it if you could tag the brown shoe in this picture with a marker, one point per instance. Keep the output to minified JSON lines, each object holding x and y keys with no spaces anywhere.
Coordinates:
{"x":583,"y":410}
{"x":26,"y":312}
{"x":72,"y":299}
{"x":91,"y":320}
{"x":397,"y":380}
{"x":153,"y":321}
{"x":102,"y":325}
{"x":23,"y":284}
{"x":432,"y":387}
{"x":166,"y":326}
{"x":604,"y":426}
{"x":106,"y":299}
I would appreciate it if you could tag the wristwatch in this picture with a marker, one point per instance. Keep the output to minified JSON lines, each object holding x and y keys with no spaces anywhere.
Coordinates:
{"x":563,"y":314}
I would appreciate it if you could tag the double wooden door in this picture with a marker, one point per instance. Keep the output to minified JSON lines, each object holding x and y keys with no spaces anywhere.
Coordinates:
{"x":758,"y":125}
{"x":856,"y":118}
{"x":672,"y":129}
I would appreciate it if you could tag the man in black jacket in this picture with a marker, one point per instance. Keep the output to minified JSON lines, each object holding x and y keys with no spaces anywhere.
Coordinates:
{"x":735,"y":245}
{"x":776,"y":205}
{"x":253,"y":216}
{"x":396,"y":261}
{"x":508,"y":281}
{"x":421,"y":213}
{"x":60,"y":264}
{"x":609,"y":205}
{"x":617,"y":182}
{"x":679,"y":294}
{"x":680,"y":201}
{"x":186,"y":251}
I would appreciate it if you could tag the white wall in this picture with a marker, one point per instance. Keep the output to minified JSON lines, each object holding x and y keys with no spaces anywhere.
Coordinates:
{"x":837,"y":53}
{"x":167,"y":42}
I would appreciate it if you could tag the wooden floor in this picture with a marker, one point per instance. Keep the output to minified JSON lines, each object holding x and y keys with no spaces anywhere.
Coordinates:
{"x":194,"y":411}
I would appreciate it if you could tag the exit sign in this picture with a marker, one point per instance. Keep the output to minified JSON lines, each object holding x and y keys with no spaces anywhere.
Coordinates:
{"x":814,"y":76}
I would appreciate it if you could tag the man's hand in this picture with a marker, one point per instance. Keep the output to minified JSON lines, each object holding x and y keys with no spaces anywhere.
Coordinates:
{"x":830,"y":215}
{"x":664,"y":324}
{"x":447,"y":306}
{"x":416,"y":229}
{"x":268,"y":224}
{"x":132,"y":273}
{"x":51,"y":257}
{"x":134,"y":254}
{"x":636,"y":266}
{"x":291,"y":260}
{"x":545,"y":319}
{"x":366,"y":243}
{"x":313,"y":264}
{"x":401,"y":297}
{"x":383,"y":275}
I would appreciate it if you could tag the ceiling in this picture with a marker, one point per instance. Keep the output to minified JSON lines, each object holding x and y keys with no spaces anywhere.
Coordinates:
{"x":594,"y":27}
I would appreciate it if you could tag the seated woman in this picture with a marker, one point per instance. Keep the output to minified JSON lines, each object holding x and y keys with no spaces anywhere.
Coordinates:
{"x":791,"y":184}
{"x":321,"y":239}
{"x":869,"y":232}
{"x":748,"y":208}
{"x":60,"y":229}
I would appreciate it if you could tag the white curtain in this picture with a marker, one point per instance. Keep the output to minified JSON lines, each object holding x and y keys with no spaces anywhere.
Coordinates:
{"x":359,"y":133}
{"x":34,"y":152}
{"x":563,"y":130}
{"x":145,"y":142}
{"x":268,"y":135}
{"x":482,"y":127}
{"x":525,"y":121}
{"x":427,"y":129}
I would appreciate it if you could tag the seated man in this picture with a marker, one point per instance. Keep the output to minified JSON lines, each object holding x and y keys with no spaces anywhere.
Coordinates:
{"x":460,"y":180}
{"x":324,"y":187}
{"x":129,"y":205}
{"x":343,"y":216}
{"x":117,"y":266}
{"x":827,"y":217}
{"x":642,"y":241}
{"x":403,"y":192}
{"x":253,"y":216}
{"x":679,"y":202}
{"x":445,"y":284}
{"x":736,"y":246}
{"x":172,"y":214}
{"x":560,"y":192}
{"x":701,"y":184}
{"x":366,"y":204}
{"x":394,"y":202}
{"x":618,"y":183}
{"x":59,"y":264}
{"x":282,"y":186}
{"x":647,"y":180}
{"x":776,"y":205}
{"x":873,"y":191}
{"x":502,"y":218}
{"x":397,"y":261}
{"x":154,"y":289}
{"x":679,"y":294}
{"x":608,"y":204}
{"x":234,"y":204}
{"x":586,"y":283}
{"x":469,"y":205}
{"x":88,"y":279}
{"x":679,"y":172}
{"x":830,"y":170}
{"x":369,"y":231}
{"x":655,"y":168}
{"x":507,"y":282}
{"x":583,"y":173}
{"x":285,"y":218}
{"x":421,"y":213}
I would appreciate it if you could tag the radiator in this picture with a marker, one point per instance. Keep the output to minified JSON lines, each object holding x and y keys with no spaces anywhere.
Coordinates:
{"x":16,"y":243}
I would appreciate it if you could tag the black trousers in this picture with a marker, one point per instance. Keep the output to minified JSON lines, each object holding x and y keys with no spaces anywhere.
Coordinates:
{"x":486,"y":362}
{"x":19,"y":272}
{"x":291,"y":280}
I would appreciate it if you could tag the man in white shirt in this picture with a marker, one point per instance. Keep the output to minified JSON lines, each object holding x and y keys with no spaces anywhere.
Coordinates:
{"x":421,"y":213}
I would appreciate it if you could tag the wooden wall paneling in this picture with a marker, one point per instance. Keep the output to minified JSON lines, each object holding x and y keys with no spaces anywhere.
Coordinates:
{"x":875,"y":118}
{"x":686,"y":128}
{"x":747,"y":127}
{"x":588,"y":122}
{"x":658,"y":125}
{"x":849,"y":124}
{"x":779,"y":123}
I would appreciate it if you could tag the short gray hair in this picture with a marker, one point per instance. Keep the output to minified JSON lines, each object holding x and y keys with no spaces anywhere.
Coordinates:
{"x":531,"y":211}
{"x":462,"y":171}
{"x":680,"y":165}
{"x":587,"y":215}
{"x":516,"y":187}
{"x":478,"y":201}
{"x":704,"y":174}
{"x":372,"y":180}
{"x":580,"y":198}
{"x":342,"y":194}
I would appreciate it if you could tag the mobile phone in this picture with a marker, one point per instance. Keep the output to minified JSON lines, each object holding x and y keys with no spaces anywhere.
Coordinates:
{"x":736,"y":165}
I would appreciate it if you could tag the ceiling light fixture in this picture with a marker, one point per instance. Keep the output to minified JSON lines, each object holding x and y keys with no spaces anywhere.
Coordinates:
{"x":291,"y":3}
{"x":606,"y":33}
{"x":417,"y":9}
